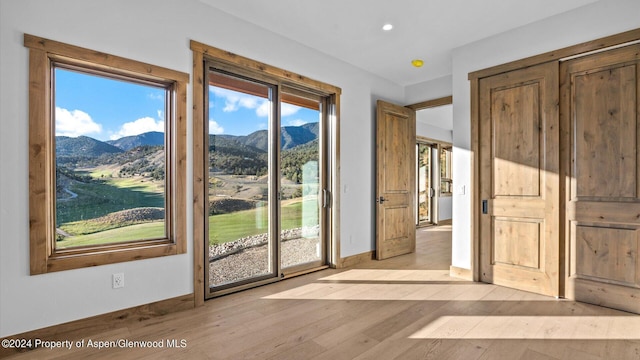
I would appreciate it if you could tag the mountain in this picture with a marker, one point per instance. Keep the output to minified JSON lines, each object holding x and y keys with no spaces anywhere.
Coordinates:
{"x":153,"y":138}
{"x":247,"y":155}
{"x":291,"y":136}
{"x":83,"y":146}
{"x":230,"y":145}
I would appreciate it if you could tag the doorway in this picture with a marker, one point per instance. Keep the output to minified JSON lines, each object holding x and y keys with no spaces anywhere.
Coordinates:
{"x":427,"y":200}
{"x":434,"y":159}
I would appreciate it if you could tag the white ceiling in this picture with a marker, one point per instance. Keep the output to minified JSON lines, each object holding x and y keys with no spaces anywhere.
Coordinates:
{"x":351,"y":30}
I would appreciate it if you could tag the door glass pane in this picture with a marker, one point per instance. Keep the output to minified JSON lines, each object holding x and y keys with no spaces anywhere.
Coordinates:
{"x":301,"y":190}
{"x":109,"y":159}
{"x":240,"y":113}
{"x":424,"y":183}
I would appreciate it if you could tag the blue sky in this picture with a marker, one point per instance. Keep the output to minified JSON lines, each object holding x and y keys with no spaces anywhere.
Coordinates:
{"x":235,"y":113}
{"x":107,"y":109}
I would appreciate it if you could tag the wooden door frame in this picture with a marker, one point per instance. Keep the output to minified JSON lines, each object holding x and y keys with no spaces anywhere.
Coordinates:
{"x":474,"y":79}
{"x":427,"y":104}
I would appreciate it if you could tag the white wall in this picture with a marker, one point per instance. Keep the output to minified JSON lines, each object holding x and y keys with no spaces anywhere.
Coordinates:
{"x":156,"y":32}
{"x":603,"y":18}
{"x":428,"y":90}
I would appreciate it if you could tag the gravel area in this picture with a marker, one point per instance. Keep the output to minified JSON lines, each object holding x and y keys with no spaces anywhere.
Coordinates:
{"x":247,"y":257}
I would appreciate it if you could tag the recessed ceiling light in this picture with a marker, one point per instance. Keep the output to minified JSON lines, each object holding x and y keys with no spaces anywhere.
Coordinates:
{"x":387,"y":27}
{"x":417,"y":62}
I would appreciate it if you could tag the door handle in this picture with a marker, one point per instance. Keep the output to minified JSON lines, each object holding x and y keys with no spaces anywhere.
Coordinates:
{"x":380,"y":200}
{"x":325,"y":198}
{"x":485,"y":206}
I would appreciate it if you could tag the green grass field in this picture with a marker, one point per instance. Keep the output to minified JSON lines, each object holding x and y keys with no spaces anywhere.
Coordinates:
{"x":97,"y":199}
{"x":229,"y":227}
{"x":153,"y":230}
{"x":222,"y":228}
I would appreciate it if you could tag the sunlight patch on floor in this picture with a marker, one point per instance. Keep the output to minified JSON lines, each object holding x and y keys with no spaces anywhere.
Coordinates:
{"x":404,"y":292}
{"x":436,"y":228}
{"x":391,"y":275}
{"x":536,"y":327}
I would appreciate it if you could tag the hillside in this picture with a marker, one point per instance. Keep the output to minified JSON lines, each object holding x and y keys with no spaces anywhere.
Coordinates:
{"x":234,"y":155}
{"x":291,"y":136}
{"x":152,"y":138}
{"x":83,"y":146}
{"x":228,"y":155}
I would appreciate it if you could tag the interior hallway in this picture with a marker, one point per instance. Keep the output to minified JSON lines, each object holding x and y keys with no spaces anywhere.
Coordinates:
{"x":403,"y":308}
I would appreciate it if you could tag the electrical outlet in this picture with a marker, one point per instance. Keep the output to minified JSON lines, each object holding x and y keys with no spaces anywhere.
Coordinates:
{"x":118,"y":280}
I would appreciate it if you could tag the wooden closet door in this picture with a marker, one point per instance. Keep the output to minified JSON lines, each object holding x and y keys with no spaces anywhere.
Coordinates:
{"x":519,"y":179}
{"x":600,"y":107}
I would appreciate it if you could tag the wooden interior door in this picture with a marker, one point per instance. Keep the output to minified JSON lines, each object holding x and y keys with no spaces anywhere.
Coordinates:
{"x":396,"y":180}
{"x":519,"y":179}
{"x":601,"y":112}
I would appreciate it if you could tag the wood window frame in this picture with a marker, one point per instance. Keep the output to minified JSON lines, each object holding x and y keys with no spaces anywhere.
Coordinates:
{"x":448,"y":170}
{"x":44,"y":257}
{"x":254,"y":69}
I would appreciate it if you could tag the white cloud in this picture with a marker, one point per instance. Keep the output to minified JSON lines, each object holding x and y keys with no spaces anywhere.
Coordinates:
{"x":264,"y":109}
{"x":214,"y":128}
{"x":288,"y":109}
{"x":230,"y":106}
{"x":233,"y":101}
{"x":158,"y":96}
{"x":75,"y":123}
{"x":285,"y":109}
{"x":138,"y":127}
{"x":296,"y":122}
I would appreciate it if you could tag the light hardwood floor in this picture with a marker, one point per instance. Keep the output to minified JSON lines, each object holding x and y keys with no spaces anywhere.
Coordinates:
{"x":402,"y":308}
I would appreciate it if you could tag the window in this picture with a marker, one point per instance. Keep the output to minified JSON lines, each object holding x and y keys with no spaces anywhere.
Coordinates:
{"x":107,"y":158}
{"x":446,"y":177}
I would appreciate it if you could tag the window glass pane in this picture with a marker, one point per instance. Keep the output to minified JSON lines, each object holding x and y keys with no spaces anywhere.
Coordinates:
{"x":446,"y":176}
{"x":110,"y":160}
{"x":424,"y":183}
{"x":240,"y":247}
{"x":301,"y":185}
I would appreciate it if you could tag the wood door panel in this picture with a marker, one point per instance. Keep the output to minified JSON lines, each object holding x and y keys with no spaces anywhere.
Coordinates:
{"x":601,"y":115}
{"x":606,"y":254}
{"x":609,"y":295}
{"x":516,"y":149}
{"x":525,"y":251}
{"x":519,"y":179}
{"x":395,"y":234}
{"x":605,"y":146}
{"x":395,"y":160}
{"x":518,"y":207}
{"x":608,"y":212}
{"x":395,"y":180}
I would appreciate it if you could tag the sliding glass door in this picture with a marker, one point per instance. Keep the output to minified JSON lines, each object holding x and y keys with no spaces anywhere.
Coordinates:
{"x":266,"y":181}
